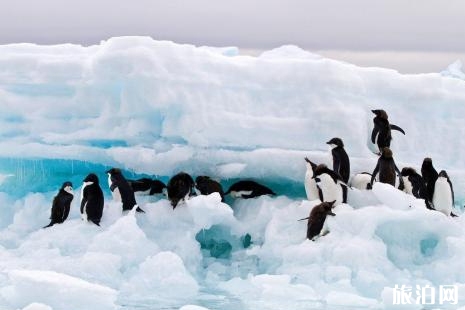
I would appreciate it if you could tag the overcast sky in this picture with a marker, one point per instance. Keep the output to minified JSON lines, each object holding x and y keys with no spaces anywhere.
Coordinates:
{"x":410,"y":36}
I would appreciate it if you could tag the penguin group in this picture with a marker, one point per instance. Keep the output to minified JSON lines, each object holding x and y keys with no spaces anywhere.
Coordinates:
{"x":179,"y":188}
{"x":331,"y":186}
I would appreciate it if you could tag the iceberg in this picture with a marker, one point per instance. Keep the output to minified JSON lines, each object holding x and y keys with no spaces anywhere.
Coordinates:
{"x":155,"y":108}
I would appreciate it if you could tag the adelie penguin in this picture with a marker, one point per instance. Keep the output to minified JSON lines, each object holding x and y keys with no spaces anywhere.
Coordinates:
{"x":180,"y":188}
{"x":361,"y":181}
{"x":430,"y":175}
{"x":330,"y":184}
{"x":91,"y":200}
{"x":413,"y":183}
{"x":317,"y":218}
{"x":248,"y":189}
{"x":121,"y":190}
{"x":206,"y":186}
{"x":147,"y":186}
{"x":443,"y":196}
{"x":386,"y":167}
{"x":311,"y":188}
{"x":61,"y":204}
{"x":341,"y":163}
{"x":381,"y":134}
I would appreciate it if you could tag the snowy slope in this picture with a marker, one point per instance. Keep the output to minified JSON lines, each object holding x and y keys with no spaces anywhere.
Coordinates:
{"x":156,"y":108}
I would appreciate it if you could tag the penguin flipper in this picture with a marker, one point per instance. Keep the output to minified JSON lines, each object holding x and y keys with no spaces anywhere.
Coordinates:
{"x":49,"y":225}
{"x":395,"y":127}
{"x":374,"y":133}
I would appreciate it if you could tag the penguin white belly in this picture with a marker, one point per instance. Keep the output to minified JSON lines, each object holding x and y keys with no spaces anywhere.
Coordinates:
{"x":84,"y":209}
{"x":408,"y":187}
{"x":442,"y":197}
{"x":115,"y":193}
{"x":240,"y":194}
{"x":360,"y":181}
{"x":331,"y":191}
{"x":310,"y":187}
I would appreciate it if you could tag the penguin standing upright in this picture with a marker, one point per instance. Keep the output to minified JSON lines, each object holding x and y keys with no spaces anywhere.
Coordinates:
{"x":387,"y":169}
{"x":443,"y":196}
{"x":413,"y":183}
{"x":430,"y":175}
{"x":310,"y":184}
{"x":341,"y":163}
{"x":381,"y":134}
{"x":330,"y":184}
{"x":61,"y":204}
{"x":118,"y":184}
{"x":91,"y":200}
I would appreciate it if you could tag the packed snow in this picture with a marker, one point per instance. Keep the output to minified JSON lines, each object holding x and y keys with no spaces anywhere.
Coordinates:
{"x":154,"y":108}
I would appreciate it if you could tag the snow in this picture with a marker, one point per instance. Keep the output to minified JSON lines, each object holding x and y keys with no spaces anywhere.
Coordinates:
{"x":155,"y":108}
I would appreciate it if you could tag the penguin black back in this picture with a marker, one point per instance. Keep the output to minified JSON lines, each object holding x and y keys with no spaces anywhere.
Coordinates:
{"x":430,"y":175}
{"x":92,"y":200}
{"x":248,"y":189}
{"x":206,"y":186}
{"x":341,"y":163}
{"x":386,"y":168}
{"x":118,"y":181}
{"x":61,"y":204}
{"x":381,"y":134}
{"x":147,"y":185}
{"x":180,"y":187}
{"x":413,"y":183}
{"x":317,"y":218}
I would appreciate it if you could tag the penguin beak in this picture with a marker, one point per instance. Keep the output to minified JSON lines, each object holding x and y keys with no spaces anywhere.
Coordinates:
{"x":332,"y":213}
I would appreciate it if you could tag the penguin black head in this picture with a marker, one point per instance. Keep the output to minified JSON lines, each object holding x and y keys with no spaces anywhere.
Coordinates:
{"x":427,"y":161}
{"x":201,"y":179}
{"x":380,"y":113}
{"x":67,"y":187}
{"x":387,"y":153}
{"x":328,"y":206}
{"x":443,"y":174}
{"x":408,"y":171}
{"x":313,"y":165}
{"x":336,"y":141}
{"x":320,"y":169}
{"x":67,"y":183}
{"x":114,"y":171}
{"x":92,"y":177}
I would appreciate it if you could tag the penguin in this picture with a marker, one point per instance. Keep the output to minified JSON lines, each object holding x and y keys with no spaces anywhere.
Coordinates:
{"x":317,"y":218}
{"x":430,"y":175}
{"x":413,"y":183}
{"x":248,"y":189}
{"x":91,"y":200}
{"x":361,"y":181}
{"x":386,"y":168}
{"x":206,"y":186}
{"x":443,"y":196}
{"x":310,"y":184}
{"x":381,"y":134}
{"x":61,"y":204}
{"x":341,"y":163}
{"x":180,"y":187}
{"x":147,"y":186}
{"x":330,"y":185}
{"x":120,"y":187}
